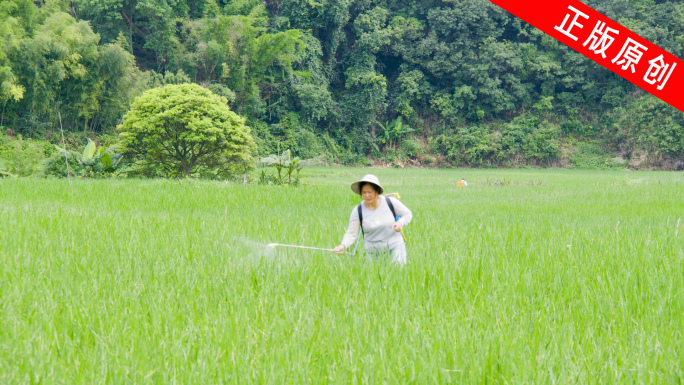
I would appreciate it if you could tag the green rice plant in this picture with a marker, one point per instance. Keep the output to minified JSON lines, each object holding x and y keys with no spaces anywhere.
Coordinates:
{"x":576,"y":279}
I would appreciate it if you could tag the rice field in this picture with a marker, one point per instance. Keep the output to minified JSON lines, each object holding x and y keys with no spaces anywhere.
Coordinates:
{"x":523,"y":276}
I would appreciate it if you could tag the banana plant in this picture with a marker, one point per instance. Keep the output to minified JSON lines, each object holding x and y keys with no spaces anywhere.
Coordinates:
{"x":393,"y":131}
{"x":107,"y":155}
{"x":95,"y":158}
{"x":279,"y":161}
{"x":289,"y":164}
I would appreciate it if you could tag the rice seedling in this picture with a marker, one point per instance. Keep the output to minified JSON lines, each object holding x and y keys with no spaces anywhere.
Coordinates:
{"x":577,"y":277}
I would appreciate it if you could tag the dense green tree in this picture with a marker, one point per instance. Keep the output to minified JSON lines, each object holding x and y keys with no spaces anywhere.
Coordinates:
{"x":239,"y":53}
{"x":56,"y":73}
{"x":646,"y":125}
{"x":67,"y":71}
{"x":365,"y":96}
{"x":186,"y":130}
{"x":325,"y":19}
{"x":149,"y":26}
{"x":12,"y":30}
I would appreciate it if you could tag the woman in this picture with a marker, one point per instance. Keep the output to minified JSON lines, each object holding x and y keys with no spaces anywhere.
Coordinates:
{"x":381,"y":232}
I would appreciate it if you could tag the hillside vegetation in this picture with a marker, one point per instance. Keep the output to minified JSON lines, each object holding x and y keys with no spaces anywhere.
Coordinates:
{"x":453,"y":82}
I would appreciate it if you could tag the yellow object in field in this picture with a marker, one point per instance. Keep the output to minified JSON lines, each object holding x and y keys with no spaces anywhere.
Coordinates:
{"x":460,"y":183}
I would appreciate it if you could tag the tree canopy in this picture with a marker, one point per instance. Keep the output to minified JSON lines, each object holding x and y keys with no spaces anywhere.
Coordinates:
{"x":184,"y":130}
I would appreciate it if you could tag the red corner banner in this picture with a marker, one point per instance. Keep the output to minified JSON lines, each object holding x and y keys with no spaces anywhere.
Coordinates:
{"x":606,"y":42}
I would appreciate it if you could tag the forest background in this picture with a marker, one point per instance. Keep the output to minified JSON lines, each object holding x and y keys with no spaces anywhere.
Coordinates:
{"x":424,"y":82}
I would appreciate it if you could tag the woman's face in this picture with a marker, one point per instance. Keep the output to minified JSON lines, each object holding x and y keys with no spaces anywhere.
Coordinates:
{"x":368,"y":193}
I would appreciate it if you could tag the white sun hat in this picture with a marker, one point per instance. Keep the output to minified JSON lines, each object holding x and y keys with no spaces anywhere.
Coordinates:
{"x":369,"y":178}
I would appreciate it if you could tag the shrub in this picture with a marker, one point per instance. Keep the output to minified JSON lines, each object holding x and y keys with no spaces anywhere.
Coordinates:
{"x":412,"y":148}
{"x":55,"y":165}
{"x":93,"y":161}
{"x":588,"y":155}
{"x":22,"y":157}
{"x":650,"y":125}
{"x":473,"y":145}
{"x":535,"y":140}
{"x":307,"y":144}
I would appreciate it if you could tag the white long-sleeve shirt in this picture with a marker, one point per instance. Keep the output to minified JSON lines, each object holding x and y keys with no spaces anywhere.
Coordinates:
{"x":377,"y":225}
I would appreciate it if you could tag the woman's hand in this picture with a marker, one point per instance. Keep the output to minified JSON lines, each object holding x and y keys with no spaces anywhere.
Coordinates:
{"x":339,"y":249}
{"x":397,"y":226}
